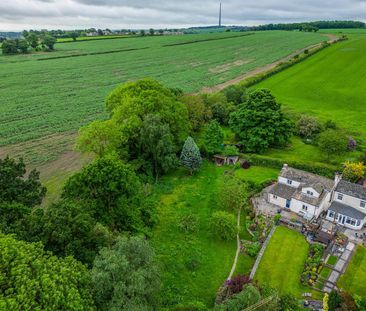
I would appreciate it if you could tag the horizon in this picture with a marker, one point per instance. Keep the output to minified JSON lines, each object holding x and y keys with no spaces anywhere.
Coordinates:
{"x":159,"y":14}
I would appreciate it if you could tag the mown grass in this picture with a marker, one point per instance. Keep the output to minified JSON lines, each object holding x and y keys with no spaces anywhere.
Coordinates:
{"x":179,"y":194}
{"x":332,"y":260}
{"x":328,"y":85}
{"x":353,"y":281}
{"x":40,"y":99}
{"x":283,"y":262}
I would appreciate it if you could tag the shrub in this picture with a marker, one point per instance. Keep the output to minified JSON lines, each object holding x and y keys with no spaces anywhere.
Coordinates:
{"x":308,"y":126}
{"x":354,"y":171}
{"x":188,"y":223}
{"x":253,"y":249}
{"x":352,"y":144}
{"x":231,"y":151}
{"x":236,"y":283}
{"x":330,"y":125}
{"x":223,"y":225}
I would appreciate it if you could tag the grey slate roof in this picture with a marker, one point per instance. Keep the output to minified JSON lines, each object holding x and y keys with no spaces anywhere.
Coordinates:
{"x":318,"y":183}
{"x":283,"y":191}
{"x":354,"y":190}
{"x":346,"y":210}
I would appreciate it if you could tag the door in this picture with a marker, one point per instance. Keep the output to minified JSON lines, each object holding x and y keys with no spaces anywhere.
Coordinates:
{"x":288,"y":203}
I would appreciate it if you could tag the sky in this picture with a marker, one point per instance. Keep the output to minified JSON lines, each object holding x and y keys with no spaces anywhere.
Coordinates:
{"x":16,"y":15}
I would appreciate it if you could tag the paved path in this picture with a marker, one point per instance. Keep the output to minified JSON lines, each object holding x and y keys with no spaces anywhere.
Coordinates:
{"x":260,"y":255}
{"x":339,"y":268}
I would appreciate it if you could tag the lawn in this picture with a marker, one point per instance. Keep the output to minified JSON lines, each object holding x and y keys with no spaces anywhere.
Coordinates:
{"x":329,"y":85}
{"x":283,"y":262}
{"x":41,"y":99}
{"x":332,"y":260}
{"x":194,"y":264}
{"x":353,"y":281}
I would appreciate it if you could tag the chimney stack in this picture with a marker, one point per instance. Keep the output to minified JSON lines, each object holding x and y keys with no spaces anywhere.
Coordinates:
{"x":364,"y":183}
{"x":337,"y":178}
{"x":285,"y":166}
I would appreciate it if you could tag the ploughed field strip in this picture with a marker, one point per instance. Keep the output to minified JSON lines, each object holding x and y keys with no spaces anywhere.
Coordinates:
{"x":63,"y":94}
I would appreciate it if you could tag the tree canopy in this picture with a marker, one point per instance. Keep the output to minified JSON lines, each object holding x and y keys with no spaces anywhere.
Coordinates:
{"x":112,"y":191}
{"x":32,"y":279}
{"x":126,"y":276}
{"x":15,"y":187}
{"x":213,"y":137}
{"x":191,"y":157}
{"x":259,"y":123}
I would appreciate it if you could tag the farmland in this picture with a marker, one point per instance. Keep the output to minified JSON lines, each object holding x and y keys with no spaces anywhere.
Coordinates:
{"x":329,"y":85}
{"x":45,"y":102}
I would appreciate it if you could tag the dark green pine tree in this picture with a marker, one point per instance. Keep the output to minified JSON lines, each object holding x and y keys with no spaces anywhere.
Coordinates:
{"x":190,"y":156}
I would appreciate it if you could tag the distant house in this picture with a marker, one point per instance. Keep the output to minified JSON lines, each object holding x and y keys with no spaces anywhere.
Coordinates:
{"x":308,"y":195}
{"x":301,"y":192}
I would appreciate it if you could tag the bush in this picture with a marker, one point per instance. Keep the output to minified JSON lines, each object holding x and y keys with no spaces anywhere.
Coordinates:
{"x":236,"y":283}
{"x":253,"y":249}
{"x":223,"y":225}
{"x":231,"y":151}
{"x":188,"y":223}
{"x":332,"y":143}
{"x":330,"y":125}
{"x":308,"y":127}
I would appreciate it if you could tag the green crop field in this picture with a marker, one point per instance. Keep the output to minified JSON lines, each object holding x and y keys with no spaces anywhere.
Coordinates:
{"x":43,"y":103}
{"x":329,"y":85}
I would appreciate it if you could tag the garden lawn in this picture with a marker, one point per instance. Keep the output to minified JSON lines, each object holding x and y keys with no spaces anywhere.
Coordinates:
{"x":353,"y":281}
{"x":283,"y":262}
{"x":194,"y":265}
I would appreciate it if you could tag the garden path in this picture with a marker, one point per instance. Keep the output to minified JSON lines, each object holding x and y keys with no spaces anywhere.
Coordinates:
{"x":340,"y":267}
{"x":238,"y":247}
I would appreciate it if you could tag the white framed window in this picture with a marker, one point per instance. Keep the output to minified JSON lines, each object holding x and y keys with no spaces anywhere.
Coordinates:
{"x":340,"y":197}
{"x":330,"y":214}
{"x":289,"y":181}
{"x":304,"y":207}
{"x":363,"y":204}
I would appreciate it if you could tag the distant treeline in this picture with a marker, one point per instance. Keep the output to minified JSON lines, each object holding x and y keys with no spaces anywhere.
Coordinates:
{"x":311,"y":26}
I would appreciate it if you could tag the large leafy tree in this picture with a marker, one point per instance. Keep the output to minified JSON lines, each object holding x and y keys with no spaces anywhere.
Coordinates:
{"x":126,"y":277}
{"x":191,"y":157}
{"x":259,"y":123}
{"x":15,"y":187}
{"x":129,"y":105}
{"x":111,"y":189}
{"x":198,"y":112}
{"x":213,"y":137}
{"x":219,"y":107}
{"x":157,"y":145}
{"x":332,"y":143}
{"x":66,"y":229}
{"x":32,"y":279}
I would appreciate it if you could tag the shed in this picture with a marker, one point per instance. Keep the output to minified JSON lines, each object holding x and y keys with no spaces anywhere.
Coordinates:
{"x":220,"y":160}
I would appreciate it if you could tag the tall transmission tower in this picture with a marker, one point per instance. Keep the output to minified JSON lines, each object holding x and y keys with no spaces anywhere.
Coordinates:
{"x":220,"y":14}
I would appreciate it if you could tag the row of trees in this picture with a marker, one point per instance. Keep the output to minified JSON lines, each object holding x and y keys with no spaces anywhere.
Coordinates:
{"x":32,"y":41}
{"x":311,"y":26}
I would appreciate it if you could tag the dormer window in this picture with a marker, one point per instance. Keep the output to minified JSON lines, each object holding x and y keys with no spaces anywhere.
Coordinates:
{"x":289,"y":182}
{"x":340,"y":197}
{"x":363,"y":204}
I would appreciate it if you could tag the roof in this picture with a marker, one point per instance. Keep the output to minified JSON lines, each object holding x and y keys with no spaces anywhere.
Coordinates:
{"x":283,"y":191}
{"x":346,"y":210}
{"x":354,"y":190}
{"x":307,"y":179}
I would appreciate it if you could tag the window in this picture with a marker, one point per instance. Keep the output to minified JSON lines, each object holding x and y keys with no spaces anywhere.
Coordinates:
{"x":363,"y":204}
{"x":289,"y":181}
{"x":340,"y":197}
{"x":304,"y":207}
{"x":310,"y":193}
{"x":358,"y":223}
{"x":330,"y":214}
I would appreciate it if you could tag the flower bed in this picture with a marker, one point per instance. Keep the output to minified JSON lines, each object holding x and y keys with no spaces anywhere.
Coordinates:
{"x":313,"y":265}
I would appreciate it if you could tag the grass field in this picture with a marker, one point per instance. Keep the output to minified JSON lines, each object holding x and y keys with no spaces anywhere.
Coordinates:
{"x":179,"y":194}
{"x":46,"y":99}
{"x":329,"y":85}
{"x":353,"y":281}
{"x":283,"y":262}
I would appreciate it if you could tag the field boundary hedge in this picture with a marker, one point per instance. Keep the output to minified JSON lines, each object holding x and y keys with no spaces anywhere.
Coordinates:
{"x":325,"y":170}
{"x":97,"y":39}
{"x":92,"y":53}
{"x":205,"y":40}
{"x":287,"y":64}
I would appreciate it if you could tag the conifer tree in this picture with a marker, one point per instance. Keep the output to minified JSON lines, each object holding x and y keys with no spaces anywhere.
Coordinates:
{"x":190,"y":156}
